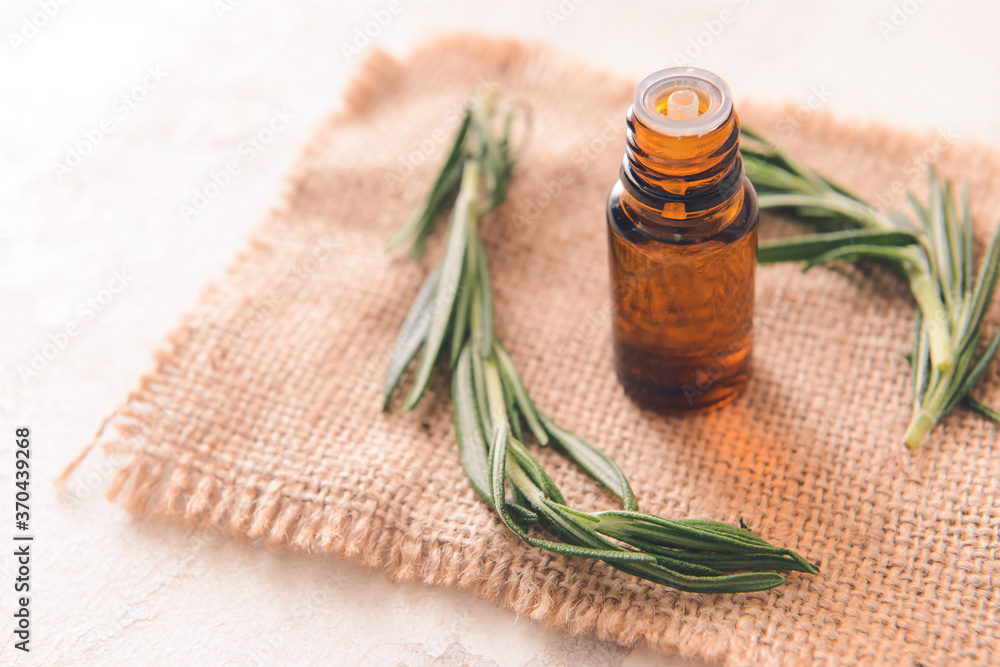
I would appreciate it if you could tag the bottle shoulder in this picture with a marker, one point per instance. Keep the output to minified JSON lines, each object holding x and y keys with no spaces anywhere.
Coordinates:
{"x":644,"y":226}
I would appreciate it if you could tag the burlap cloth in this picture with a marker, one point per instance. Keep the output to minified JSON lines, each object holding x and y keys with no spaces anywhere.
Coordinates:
{"x":262,"y":416}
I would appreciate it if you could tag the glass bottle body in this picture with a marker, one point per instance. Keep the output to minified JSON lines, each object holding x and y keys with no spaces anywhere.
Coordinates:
{"x":682,"y":237}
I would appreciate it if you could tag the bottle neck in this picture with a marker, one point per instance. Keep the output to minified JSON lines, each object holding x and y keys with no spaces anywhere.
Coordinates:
{"x":687,"y":185}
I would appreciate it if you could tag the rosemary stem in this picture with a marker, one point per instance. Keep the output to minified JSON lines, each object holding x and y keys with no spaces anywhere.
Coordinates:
{"x":494,"y":394}
{"x":920,"y":425}
{"x":928,"y":298}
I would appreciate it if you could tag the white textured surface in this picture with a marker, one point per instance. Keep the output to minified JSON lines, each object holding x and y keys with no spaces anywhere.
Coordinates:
{"x":110,"y":590}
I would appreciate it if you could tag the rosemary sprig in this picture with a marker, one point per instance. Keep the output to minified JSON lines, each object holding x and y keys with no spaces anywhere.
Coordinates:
{"x":452,"y":319}
{"x":934,"y":254}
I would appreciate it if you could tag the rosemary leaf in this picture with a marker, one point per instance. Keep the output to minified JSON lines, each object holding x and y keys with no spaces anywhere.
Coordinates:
{"x":451,"y":276}
{"x":485,"y":293}
{"x":982,"y":408}
{"x":494,"y":394}
{"x":535,"y":471}
{"x":595,"y":462}
{"x":972,"y":377}
{"x":460,"y":321}
{"x":524,"y":402}
{"x":891,"y":255}
{"x":513,"y":412}
{"x":479,"y":386}
{"x":411,"y":335}
{"x":968,"y":236}
{"x":808,"y":247}
{"x":468,"y":434}
{"x":421,"y":221}
{"x":986,"y":283}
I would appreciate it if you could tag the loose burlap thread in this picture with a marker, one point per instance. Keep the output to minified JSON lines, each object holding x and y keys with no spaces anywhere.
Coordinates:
{"x":262,"y":415}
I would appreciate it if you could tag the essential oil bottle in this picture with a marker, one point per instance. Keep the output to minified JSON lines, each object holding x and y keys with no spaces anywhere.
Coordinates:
{"x":682,"y":232}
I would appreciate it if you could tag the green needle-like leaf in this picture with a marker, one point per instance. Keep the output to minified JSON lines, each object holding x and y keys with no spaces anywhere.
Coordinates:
{"x":986,"y":282}
{"x":810,"y":246}
{"x":858,"y":213}
{"x":989,"y":354}
{"x":892,"y":255}
{"x":460,"y":323}
{"x":421,"y":221}
{"x":411,"y":335}
{"x":598,"y":465}
{"x":485,"y":294}
{"x":534,"y":470}
{"x":468,"y":429}
{"x":982,"y":408}
{"x":513,"y":412}
{"x":451,"y":275}
{"x":479,"y":385}
{"x":524,"y":402}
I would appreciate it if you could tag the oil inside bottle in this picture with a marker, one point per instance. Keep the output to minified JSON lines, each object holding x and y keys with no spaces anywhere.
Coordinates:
{"x":682,"y":223}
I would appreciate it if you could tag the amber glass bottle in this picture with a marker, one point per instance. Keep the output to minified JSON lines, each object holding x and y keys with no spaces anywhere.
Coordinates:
{"x":682,"y":231}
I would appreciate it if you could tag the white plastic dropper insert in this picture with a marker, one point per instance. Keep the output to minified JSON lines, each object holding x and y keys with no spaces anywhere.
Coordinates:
{"x":685,"y":89}
{"x":682,"y":104}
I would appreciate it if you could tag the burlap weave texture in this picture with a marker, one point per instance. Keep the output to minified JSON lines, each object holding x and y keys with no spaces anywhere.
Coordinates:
{"x":262,"y":418}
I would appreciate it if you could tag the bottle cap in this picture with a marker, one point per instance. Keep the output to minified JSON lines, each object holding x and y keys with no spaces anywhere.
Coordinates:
{"x":683,"y":101}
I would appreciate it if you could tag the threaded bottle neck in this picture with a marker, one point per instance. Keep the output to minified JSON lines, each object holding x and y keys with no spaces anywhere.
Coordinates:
{"x":684,"y":168}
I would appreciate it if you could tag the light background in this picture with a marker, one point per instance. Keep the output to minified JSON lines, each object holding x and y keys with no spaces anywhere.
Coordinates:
{"x":111,"y":590}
